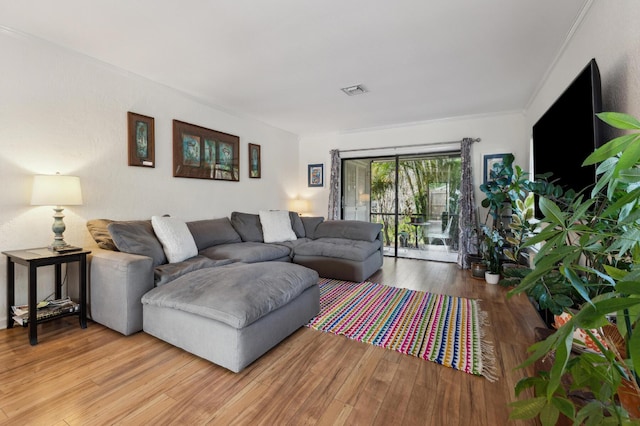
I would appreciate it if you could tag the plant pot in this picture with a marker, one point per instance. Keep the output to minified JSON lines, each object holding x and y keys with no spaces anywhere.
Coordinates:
{"x":491,"y":278}
{"x":478,"y":269}
{"x":512,"y":265}
{"x":629,"y":398}
{"x":474,"y":258}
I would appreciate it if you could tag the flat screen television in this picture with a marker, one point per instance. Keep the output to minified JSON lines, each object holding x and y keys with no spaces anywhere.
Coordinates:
{"x":569,"y":132}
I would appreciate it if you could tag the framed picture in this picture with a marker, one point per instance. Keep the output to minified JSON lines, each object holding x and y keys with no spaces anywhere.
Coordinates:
{"x":141,"y":140}
{"x":254,"y":161}
{"x":203,"y":153}
{"x":489,"y":162}
{"x":316,"y":175}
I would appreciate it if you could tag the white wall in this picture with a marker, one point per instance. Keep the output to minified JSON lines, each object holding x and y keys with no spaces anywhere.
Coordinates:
{"x":60,"y":111}
{"x":609,"y":33}
{"x":498,"y":133}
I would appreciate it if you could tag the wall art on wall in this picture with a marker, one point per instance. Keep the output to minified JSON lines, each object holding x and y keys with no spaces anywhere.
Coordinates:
{"x":315,"y":175}
{"x":255,"y":163}
{"x":141,"y":140}
{"x":203,"y":153}
{"x":489,"y":161}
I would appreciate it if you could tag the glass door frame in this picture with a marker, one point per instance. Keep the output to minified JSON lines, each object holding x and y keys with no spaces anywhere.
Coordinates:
{"x":397,"y":158}
{"x":370,"y":160}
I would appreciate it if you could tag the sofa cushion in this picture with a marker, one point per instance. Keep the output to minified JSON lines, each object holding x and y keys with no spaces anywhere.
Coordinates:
{"x":276,"y":226}
{"x":175,"y":237}
{"x":293,"y":244}
{"x":248,"y":252}
{"x":99,"y":232}
{"x":237,"y":294}
{"x":248,"y":226}
{"x":310,"y":224}
{"x":137,"y":237}
{"x":297,"y":225}
{"x":339,"y":248}
{"x":163,"y":274}
{"x":350,"y":229}
{"x":211,"y":232}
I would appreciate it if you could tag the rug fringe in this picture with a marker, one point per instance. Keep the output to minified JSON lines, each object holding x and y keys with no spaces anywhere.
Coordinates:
{"x":489,"y":362}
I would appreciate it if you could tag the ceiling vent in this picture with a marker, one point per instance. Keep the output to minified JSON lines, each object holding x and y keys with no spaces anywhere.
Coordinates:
{"x":358,"y":89}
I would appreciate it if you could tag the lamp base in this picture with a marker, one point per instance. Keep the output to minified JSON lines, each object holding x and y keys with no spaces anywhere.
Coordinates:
{"x":58,"y":247}
{"x":58,"y":229}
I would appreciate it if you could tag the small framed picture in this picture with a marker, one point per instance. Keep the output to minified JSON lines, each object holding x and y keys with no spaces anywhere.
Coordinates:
{"x":141,"y":140}
{"x":316,"y":175}
{"x":489,"y":162}
{"x":254,"y":161}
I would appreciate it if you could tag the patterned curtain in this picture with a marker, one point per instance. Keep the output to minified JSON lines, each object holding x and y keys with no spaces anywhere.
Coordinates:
{"x":334,"y":186}
{"x":467,"y":219}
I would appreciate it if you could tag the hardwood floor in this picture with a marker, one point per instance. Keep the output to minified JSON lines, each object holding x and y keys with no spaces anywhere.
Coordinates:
{"x":97,"y":376}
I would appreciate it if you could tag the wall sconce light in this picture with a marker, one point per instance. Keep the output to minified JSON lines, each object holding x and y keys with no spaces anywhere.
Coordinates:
{"x":56,"y":190}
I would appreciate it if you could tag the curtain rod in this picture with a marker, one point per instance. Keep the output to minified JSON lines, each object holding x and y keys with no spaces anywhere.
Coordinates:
{"x":406,"y":146}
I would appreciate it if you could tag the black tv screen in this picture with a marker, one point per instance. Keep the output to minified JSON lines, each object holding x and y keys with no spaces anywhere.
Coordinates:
{"x":569,"y":132}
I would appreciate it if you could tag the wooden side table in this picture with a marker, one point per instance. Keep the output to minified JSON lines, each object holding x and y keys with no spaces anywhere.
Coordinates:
{"x":33,"y":259}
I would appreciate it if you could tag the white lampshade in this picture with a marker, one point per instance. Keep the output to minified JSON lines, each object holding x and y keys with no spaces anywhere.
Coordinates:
{"x":56,"y":190}
{"x":299,"y":206}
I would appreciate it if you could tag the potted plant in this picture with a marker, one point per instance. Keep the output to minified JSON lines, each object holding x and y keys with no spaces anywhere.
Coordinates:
{"x":492,"y":250}
{"x":497,"y":198}
{"x":591,"y":254}
{"x":510,"y":186}
{"x":496,"y":189}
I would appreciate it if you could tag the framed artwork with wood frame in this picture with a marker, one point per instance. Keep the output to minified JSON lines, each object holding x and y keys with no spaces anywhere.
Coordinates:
{"x":315,"y":175}
{"x":142,"y":148}
{"x":255,"y":162}
{"x":203,"y":153}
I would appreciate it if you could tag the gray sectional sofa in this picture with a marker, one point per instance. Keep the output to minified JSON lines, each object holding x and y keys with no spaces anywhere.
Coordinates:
{"x":229,"y":296}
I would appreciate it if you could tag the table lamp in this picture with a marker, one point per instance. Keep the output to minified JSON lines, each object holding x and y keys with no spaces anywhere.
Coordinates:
{"x":57,"y":191}
{"x":299,"y":205}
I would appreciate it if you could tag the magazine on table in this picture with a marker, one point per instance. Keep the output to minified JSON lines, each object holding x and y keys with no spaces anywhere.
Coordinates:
{"x":46,"y":309}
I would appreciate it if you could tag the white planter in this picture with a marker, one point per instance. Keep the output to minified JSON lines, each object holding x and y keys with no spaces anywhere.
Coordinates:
{"x":491,"y":278}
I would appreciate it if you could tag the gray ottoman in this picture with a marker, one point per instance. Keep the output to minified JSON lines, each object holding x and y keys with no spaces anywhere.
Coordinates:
{"x":339,"y":258}
{"x":231,"y":315}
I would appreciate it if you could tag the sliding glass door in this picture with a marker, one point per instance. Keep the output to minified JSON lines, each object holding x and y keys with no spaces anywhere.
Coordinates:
{"x":414,"y":197}
{"x":356,"y":186}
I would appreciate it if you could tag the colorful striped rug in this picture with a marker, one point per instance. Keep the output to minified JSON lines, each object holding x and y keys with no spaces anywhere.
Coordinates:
{"x":436,"y":327}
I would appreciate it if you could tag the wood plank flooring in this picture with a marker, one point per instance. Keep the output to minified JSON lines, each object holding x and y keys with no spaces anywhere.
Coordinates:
{"x":99,"y":377}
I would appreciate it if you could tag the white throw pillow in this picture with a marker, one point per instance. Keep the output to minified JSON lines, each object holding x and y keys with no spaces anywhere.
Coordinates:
{"x":276,"y":226}
{"x":176,"y":239}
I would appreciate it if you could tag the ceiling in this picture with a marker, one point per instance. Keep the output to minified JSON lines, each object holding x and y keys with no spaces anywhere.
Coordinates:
{"x":284,"y":62}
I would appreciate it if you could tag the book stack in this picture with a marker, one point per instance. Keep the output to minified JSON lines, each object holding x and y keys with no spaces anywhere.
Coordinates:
{"x":46,"y":309}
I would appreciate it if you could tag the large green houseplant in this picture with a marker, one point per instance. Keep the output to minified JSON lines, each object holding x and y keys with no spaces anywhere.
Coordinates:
{"x":497,"y":189}
{"x":509,"y":187}
{"x":492,"y":243}
{"x":591,"y":252}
